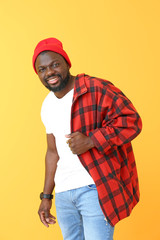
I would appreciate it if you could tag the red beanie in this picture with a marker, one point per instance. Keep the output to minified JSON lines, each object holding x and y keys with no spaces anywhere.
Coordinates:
{"x":51,"y":44}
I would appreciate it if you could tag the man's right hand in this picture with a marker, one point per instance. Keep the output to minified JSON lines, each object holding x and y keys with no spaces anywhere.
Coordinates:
{"x":44,"y":212}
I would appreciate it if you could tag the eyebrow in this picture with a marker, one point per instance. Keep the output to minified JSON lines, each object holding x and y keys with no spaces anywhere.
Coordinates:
{"x":41,"y":66}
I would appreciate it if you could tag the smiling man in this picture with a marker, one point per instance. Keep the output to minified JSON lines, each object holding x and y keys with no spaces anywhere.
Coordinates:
{"x":93,"y":173}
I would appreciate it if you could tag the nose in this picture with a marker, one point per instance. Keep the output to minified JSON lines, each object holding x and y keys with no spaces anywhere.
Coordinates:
{"x":49,"y":71}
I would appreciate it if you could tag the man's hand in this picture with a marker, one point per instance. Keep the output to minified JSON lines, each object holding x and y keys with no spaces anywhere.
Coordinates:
{"x":79,"y":143}
{"x":44,"y":212}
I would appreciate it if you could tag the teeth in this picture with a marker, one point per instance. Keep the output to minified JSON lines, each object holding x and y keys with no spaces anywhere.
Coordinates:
{"x":53,"y":80}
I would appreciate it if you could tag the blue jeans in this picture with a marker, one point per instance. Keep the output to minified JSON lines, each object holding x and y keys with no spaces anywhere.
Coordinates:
{"x":79,"y":215}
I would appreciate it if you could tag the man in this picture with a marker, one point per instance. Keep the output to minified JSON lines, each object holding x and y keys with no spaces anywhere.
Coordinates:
{"x":94,"y":173}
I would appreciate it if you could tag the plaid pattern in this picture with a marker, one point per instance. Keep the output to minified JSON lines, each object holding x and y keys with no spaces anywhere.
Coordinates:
{"x":103,"y":112}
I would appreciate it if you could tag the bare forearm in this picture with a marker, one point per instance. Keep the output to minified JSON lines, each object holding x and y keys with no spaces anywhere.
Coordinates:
{"x":50,"y":169}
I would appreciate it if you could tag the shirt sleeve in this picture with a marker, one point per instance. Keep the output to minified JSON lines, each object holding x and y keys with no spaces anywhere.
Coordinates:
{"x":120,"y":125}
{"x":45,"y":117}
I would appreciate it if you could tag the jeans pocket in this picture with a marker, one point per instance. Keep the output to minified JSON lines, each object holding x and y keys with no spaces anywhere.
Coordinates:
{"x":92,"y":186}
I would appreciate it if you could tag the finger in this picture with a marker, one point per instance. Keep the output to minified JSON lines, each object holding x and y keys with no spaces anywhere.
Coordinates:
{"x":46,"y":213}
{"x":68,"y":135}
{"x":73,"y":150}
{"x":51,"y":216}
{"x":43,"y":219}
{"x":71,"y":135}
{"x":68,"y":141}
{"x":50,"y":221}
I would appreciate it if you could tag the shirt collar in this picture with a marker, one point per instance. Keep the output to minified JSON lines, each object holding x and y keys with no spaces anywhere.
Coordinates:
{"x":79,"y":86}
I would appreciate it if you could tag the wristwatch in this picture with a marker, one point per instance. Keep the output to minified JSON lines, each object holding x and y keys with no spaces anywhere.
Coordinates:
{"x":48,"y":196}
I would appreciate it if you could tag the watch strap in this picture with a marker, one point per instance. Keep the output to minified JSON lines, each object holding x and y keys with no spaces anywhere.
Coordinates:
{"x":47,"y":196}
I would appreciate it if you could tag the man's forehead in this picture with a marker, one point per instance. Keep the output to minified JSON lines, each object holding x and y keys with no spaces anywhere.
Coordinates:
{"x":46,"y":57}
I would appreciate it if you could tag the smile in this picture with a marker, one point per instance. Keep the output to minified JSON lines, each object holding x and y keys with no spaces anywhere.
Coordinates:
{"x":53,"y":80}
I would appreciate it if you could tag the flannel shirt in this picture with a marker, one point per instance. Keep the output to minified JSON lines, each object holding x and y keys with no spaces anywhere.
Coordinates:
{"x":103,"y":112}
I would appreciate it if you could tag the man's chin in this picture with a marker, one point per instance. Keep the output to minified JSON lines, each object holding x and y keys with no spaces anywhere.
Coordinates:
{"x":55,"y":89}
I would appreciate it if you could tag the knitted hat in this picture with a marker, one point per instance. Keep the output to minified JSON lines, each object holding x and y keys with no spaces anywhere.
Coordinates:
{"x":51,"y":44}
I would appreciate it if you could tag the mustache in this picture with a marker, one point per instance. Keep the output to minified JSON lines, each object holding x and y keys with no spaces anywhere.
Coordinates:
{"x":51,"y":76}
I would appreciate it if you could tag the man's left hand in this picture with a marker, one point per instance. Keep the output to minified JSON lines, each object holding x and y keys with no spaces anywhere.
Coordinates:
{"x":79,"y":143}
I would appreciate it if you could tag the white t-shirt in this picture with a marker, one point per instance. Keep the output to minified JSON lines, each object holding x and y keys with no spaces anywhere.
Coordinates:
{"x":56,"y":116}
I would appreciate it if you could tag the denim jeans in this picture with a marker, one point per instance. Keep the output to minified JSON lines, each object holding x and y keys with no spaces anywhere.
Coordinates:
{"x":80,"y":217}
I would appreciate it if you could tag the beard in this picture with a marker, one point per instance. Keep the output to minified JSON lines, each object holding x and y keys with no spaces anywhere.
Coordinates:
{"x":62,"y":85}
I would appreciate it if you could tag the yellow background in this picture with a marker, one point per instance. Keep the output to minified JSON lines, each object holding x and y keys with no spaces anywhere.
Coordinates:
{"x":116,"y":40}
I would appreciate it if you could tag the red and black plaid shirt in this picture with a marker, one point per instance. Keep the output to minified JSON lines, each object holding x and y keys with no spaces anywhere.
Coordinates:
{"x":103,"y":112}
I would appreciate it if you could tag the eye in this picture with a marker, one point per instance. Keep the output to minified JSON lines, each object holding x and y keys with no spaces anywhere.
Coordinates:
{"x":41,"y":70}
{"x":54,"y":65}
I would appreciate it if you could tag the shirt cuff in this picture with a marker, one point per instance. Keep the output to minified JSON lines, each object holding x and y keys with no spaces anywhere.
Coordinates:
{"x":101,"y":143}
